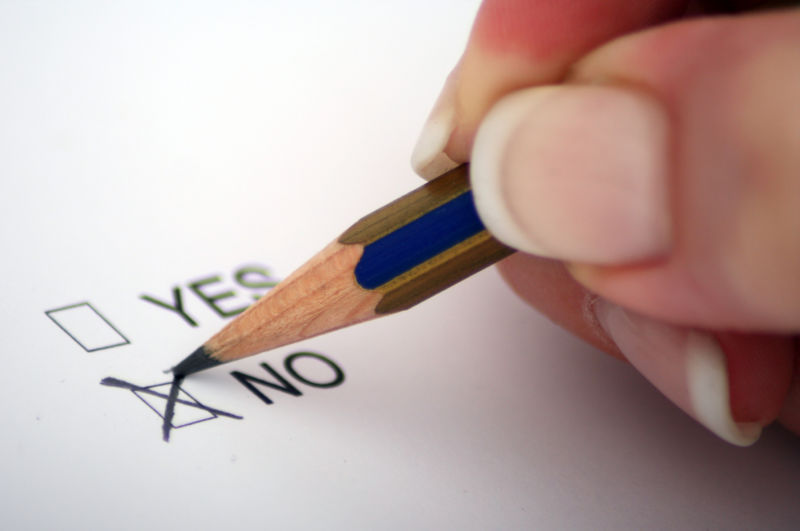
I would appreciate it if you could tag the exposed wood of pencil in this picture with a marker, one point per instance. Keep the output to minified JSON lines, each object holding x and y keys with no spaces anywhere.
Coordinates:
{"x":319,"y":297}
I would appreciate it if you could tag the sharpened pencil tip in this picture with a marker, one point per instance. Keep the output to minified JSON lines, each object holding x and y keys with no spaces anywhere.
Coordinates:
{"x":196,"y":361}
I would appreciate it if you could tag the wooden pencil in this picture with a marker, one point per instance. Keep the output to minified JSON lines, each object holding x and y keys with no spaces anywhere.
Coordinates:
{"x":390,"y":260}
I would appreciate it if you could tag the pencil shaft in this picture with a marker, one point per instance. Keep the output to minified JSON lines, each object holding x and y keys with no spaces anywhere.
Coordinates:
{"x":388,"y":261}
{"x":423,"y":243}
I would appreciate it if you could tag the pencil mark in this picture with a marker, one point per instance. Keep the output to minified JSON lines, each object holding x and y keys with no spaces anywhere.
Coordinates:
{"x":172,"y":399}
{"x":114,"y":382}
{"x":169,"y":411}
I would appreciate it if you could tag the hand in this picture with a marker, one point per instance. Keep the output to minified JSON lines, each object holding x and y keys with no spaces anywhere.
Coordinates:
{"x":654,"y":176}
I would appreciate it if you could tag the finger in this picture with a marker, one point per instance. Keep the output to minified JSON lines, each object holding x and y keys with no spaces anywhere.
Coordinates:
{"x":732,"y":6}
{"x":760,"y":370}
{"x":790,"y":413}
{"x":748,"y":375}
{"x":667,"y":172}
{"x":520,"y":43}
{"x":547,"y":285}
{"x":735,"y":260}
{"x":733,"y":384}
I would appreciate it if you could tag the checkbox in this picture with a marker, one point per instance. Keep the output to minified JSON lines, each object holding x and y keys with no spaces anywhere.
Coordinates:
{"x":87,"y":327}
{"x":188,"y":410}
{"x":170,"y":401}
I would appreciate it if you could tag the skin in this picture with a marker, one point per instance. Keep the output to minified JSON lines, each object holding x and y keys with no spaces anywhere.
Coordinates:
{"x":731,"y":270}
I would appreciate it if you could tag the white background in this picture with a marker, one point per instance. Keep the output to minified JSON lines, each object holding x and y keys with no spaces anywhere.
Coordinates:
{"x":146,"y":144}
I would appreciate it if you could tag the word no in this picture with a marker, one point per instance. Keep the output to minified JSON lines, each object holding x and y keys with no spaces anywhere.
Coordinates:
{"x":322,"y":373}
{"x":278,"y":382}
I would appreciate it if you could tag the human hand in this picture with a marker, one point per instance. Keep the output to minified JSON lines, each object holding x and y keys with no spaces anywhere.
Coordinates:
{"x":655,"y":176}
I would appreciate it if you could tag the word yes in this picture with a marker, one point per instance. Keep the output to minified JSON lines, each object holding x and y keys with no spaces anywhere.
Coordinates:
{"x":255,"y":280}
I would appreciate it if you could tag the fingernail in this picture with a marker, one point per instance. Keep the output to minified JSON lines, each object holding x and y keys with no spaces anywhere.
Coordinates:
{"x":428,"y":158}
{"x":576,"y":173}
{"x":689,"y":367}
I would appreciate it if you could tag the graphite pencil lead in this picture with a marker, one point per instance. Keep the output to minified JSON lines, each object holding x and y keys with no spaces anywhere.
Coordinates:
{"x":196,"y":361}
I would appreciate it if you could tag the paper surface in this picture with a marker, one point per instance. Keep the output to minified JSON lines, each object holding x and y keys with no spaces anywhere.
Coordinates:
{"x":192,"y":153}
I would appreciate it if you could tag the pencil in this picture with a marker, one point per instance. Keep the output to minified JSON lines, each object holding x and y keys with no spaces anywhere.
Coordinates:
{"x":388,"y":261}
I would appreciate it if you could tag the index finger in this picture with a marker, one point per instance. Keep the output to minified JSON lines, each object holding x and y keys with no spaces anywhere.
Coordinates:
{"x":515,"y":44}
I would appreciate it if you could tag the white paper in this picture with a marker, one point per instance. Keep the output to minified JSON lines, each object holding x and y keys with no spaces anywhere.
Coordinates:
{"x":146,"y":146}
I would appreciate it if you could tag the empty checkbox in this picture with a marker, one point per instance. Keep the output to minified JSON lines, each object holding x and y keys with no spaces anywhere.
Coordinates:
{"x":87,"y":327}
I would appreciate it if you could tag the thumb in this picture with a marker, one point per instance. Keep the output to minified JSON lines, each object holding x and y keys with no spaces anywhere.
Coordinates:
{"x":666,"y":172}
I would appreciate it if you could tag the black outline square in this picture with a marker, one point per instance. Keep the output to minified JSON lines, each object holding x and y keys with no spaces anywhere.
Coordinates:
{"x":86,"y":303}
{"x":185,"y":392}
